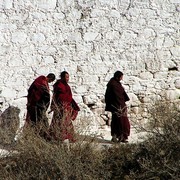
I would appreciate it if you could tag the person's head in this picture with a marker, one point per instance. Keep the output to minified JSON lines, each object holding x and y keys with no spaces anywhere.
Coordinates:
{"x":65,"y":76}
{"x":50,"y":77}
{"x":118,"y":75}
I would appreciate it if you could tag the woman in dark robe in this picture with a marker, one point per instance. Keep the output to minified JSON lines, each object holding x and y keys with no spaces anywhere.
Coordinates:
{"x":65,"y":110}
{"x":115,"y":98}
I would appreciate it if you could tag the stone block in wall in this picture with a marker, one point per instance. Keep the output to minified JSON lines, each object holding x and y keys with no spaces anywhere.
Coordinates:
{"x":177,"y":83}
{"x":151,"y":98}
{"x":146,"y":76}
{"x":112,"y":35}
{"x":172,"y":94}
{"x":136,"y":87}
{"x":161,"y":84}
{"x":74,"y":36}
{"x":115,"y":14}
{"x":90,"y":99}
{"x":158,"y":42}
{"x":19,"y":37}
{"x":97,"y":13}
{"x":175,"y":51}
{"x":6,"y":4}
{"x":46,"y":4}
{"x":109,"y":3}
{"x":129,"y":36}
{"x":42,"y":70}
{"x":90,"y":36}
{"x":64,"y":4}
{"x":168,"y":42}
{"x":78,"y":99}
{"x":4,"y":49}
{"x":175,"y":1}
{"x":134,"y":110}
{"x":38,"y":38}
{"x":8,"y":93}
{"x":163,"y":54}
{"x":15,"y":61}
{"x":161,"y":75}
{"x":2,"y":38}
{"x":59,"y":15}
{"x":47,"y":50}
{"x":149,"y":33}
{"x":22,"y":92}
{"x":81,"y":89}
{"x":134,"y":101}
{"x":39,"y":16}
{"x":48,"y":60}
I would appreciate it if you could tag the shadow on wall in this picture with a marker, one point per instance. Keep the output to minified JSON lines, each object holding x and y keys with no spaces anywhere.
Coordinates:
{"x":9,"y":124}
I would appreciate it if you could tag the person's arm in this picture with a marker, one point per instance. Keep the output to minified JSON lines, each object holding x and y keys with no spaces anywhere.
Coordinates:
{"x":118,"y":92}
{"x":126,"y":97}
{"x":75,"y":105}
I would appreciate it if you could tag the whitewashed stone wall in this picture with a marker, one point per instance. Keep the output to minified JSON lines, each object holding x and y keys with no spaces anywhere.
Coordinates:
{"x":91,"y":39}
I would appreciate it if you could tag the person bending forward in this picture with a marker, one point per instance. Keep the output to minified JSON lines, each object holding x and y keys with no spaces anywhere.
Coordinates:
{"x":38,"y":100}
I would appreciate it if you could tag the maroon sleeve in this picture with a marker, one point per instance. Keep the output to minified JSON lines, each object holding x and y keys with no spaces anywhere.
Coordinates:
{"x":75,"y":105}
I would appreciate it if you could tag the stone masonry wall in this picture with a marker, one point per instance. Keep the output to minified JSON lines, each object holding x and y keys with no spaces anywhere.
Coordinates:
{"x":91,"y":39}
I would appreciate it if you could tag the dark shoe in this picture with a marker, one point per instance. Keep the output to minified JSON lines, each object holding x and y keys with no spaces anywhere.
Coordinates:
{"x":114,"y":139}
{"x":124,"y":141}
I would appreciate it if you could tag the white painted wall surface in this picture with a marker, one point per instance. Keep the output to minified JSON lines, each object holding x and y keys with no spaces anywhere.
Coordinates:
{"x":91,"y":40}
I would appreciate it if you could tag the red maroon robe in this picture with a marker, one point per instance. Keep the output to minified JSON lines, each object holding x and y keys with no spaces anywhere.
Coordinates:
{"x":115,"y":98}
{"x":38,"y":100}
{"x":65,"y":110}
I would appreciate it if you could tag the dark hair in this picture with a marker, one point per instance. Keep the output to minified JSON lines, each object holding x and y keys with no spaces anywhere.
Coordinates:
{"x":51,"y":76}
{"x":118,"y":74}
{"x":63,"y":74}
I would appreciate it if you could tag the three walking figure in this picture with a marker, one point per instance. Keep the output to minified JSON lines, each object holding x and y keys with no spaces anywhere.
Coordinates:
{"x":65,"y":109}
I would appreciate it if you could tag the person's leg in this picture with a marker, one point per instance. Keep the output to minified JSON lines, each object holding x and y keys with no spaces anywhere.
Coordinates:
{"x":55,"y":126}
{"x":43,"y":124}
{"x":115,"y":127}
{"x":32,"y":114}
{"x":67,"y":128}
{"x":125,"y":128}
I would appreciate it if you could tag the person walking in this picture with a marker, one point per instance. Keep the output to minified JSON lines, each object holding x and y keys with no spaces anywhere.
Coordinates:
{"x":65,"y":110}
{"x":115,"y":100}
{"x":38,"y":101}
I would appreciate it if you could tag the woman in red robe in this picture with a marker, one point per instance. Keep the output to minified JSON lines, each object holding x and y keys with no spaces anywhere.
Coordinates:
{"x":65,"y":110}
{"x":115,"y":98}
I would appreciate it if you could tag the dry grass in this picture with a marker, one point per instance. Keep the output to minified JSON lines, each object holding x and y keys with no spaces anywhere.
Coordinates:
{"x":157,"y":158}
